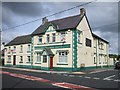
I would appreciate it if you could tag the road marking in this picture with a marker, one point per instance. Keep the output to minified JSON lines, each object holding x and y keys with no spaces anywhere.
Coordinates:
{"x":108,"y":78}
{"x":98,"y":71}
{"x":87,"y":77}
{"x":72,"y":86}
{"x":117,"y":80}
{"x":96,"y":78}
{"x":62,"y":84}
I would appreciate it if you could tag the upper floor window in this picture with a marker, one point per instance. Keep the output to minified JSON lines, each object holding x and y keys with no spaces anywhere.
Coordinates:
{"x":62,"y":36}
{"x":40,"y":39}
{"x":78,"y":37}
{"x":48,"y":38}
{"x":53,"y":37}
{"x":28,"y":47}
{"x":88,"y":42}
{"x":21,"y":48}
{"x":14,"y":48}
{"x":9,"y":49}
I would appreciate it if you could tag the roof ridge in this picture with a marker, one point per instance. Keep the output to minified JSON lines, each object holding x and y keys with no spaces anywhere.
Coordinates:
{"x":64,"y":18}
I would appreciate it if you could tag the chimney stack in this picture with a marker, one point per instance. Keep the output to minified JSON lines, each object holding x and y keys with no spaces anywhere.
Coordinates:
{"x":82,"y":11}
{"x":44,"y":20}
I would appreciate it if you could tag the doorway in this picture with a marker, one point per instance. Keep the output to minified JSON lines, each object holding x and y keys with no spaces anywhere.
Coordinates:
{"x":14,"y":59}
{"x":51,"y":62}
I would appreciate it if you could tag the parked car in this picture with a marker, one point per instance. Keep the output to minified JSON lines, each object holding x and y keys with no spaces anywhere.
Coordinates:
{"x":117,"y":65}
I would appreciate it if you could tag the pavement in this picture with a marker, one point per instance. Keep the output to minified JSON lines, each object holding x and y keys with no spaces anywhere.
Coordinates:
{"x":61,"y":72}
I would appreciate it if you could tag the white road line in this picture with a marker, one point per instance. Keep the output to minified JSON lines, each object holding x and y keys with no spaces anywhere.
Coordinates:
{"x":117,"y":80}
{"x":87,"y":77}
{"x":96,"y":78}
{"x":98,"y":71}
{"x":108,"y":78}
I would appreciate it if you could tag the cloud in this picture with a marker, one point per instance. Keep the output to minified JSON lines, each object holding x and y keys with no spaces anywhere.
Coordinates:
{"x":99,"y":15}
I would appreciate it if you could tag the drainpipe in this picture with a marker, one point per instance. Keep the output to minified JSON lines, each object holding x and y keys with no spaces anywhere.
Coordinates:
{"x":96,"y":54}
{"x":31,"y":52}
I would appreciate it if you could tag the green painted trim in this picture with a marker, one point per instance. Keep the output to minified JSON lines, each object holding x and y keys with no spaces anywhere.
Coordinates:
{"x":53,"y":46}
{"x":74,"y":49}
{"x":49,"y":43}
{"x":62,"y":68}
{"x":8,"y":65}
{"x":50,"y":24}
{"x":50,"y":30}
{"x":61,"y":64}
{"x":45,"y":68}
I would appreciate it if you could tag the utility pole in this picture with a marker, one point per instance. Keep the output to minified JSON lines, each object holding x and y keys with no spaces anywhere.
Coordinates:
{"x":0,"y":47}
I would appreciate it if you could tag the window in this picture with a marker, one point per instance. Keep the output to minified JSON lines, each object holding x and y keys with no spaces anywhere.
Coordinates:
{"x":21,"y":58}
{"x":40,"y":39}
{"x":48,"y":38}
{"x":9,"y":58}
{"x":28,"y":58}
{"x":14,"y":48}
{"x":63,"y":56}
{"x":28,"y":47}
{"x":53,"y":37}
{"x":21,"y":48}
{"x":78,"y":37}
{"x":38,"y":57}
{"x":44,"y":58}
{"x":94,"y":60}
{"x":9,"y":48}
{"x":62,"y":37}
{"x":88,"y":42}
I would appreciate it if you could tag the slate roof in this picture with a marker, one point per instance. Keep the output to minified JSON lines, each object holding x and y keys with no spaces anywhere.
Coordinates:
{"x":20,"y":40}
{"x":95,"y":36}
{"x":62,"y":24}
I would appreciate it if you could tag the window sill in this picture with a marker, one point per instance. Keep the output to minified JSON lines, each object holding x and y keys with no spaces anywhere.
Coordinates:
{"x":28,"y":62}
{"x":20,"y":52}
{"x":38,"y":63}
{"x":8,"y":61}
{"x":28,"y":51}
{"x":62,"y":64}
{"x":20,"y":62}
{"x":80,"y":43}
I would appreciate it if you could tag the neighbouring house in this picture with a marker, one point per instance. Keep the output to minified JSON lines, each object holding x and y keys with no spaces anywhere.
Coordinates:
{"x":62,"y":44}
{"x":113,"y":58}
{"x":18,"y":51}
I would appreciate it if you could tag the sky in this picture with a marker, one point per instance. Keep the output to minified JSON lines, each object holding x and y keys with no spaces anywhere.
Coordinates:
{"x":100,"y":14}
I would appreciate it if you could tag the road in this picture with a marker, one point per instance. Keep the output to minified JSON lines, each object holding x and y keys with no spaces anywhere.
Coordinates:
{"x":103,"y":80}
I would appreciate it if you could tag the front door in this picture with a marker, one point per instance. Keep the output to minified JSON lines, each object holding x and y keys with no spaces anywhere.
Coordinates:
{"x":14,"y":59}
{"x":51,"y":62}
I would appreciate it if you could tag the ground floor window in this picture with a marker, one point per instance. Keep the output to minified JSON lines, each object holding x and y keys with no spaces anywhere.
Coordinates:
{"x":38,"y":57}
{"x":44,"y":58}
{"x":63,"y":57}
{"x":9,"y":58}
{"x":28,"y":58}
{"x":21,"y":59}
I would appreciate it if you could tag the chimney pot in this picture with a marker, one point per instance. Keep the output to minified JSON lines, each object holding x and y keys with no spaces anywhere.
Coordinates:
{"x":82,"y":11}
{"x":44,"y":20}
